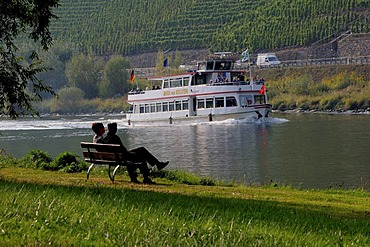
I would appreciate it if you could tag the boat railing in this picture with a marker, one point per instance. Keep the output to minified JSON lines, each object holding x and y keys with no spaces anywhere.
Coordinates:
{"x":136,"y":92}
{"x":237,"y":83}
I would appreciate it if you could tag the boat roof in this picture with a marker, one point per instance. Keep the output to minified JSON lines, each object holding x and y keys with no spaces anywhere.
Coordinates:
{"x":217,"y":60}
{"x":173,"y":76}
{"x":222,"y":58}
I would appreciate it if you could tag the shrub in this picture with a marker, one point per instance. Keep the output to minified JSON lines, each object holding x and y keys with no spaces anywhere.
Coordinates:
{"x":69,"y":100}
{"x":207,"y":182}
{"x":351,"y":104}
{"x":7,"y":159}
{"x":319,"y":89}
{"x":67,"y":162}
{"x":304,"y":106}
{"x":364,"y":103}
{"x":282,"y":107}
{"x":37,"y":159}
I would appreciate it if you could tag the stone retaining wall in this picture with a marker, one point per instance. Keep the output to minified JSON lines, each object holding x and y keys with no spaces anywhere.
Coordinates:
{"x":352,"y":46}
{"x":356,"y":45}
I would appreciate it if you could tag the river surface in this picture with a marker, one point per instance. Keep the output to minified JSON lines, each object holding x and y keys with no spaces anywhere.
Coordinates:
{"x":302,"y":150}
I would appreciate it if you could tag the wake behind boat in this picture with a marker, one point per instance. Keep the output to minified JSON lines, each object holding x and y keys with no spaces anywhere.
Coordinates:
{"x":215,"y":91}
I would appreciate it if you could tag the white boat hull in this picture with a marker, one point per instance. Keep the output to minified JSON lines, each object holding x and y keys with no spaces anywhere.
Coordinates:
{"x":257,"y":112}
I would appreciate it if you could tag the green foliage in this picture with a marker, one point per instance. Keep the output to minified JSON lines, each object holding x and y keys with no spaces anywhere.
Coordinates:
{"x":320,"y":88}
{"x":97,"y":105}
{"x":160,"y":70}
{"x":178,"y":59}
{"x":69,"y":100}
{"x":55,"y":59}
{"x":7,"y":159}
{"x":27,"y":19}
{"x":115,"y":78}
{"x":67,"y":162}
{"x":300,"y":85}
{"x":132,"y":26}
{"x":84,"y":72}
{"x":37,"y":159}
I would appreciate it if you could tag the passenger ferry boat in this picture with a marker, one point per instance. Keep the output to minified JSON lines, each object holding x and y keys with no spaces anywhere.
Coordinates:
{"x":215,"y":91}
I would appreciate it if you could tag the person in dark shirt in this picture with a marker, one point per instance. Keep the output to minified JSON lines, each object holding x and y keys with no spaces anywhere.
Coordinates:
{"x":138,"y":156}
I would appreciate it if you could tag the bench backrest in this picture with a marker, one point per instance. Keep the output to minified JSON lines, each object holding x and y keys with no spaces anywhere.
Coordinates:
{"x":99,"y":153}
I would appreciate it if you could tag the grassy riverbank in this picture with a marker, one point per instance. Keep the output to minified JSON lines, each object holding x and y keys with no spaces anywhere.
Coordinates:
{"x":331,"y":87}
{"x":55,"y":208}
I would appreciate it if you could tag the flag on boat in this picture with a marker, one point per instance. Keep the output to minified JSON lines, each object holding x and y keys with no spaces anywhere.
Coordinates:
{"x":132,"y":76}
{"x":262,"y":90}
{"x":165,"y":63}
{"x":245,"y":56}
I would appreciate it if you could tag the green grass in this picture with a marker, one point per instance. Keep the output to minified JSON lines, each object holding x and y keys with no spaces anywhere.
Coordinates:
{"x":54,"y":208}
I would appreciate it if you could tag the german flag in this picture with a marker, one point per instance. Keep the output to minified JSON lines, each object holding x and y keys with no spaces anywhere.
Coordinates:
{"x":132,"y":76}
{"x":262,"y":90}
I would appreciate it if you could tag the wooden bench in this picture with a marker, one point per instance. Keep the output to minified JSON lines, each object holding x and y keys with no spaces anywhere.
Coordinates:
{"x":104,"y":154}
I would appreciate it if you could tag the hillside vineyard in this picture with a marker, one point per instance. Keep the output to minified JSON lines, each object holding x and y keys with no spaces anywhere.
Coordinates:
{"x":134,"y":26}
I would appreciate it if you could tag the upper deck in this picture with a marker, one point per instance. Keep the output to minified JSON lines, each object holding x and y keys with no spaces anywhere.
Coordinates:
{"x":211,"y":73}
{"x":215,"y":65}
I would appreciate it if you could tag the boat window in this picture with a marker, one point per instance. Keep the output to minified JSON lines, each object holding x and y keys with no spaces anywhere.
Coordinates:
{"x":166,"y":84}
{"x":229,"y":65}
{"x":152,"y":107}
{"x":231,"y":101}
{"x":131,"y":109}
{"x":165,"y":106}
{"x":186,"y":82}
{"x":245,"y":100}
{"x":185,"y":105}
{"x":175,"y":82}
{"x":202,"y":66}
{"x":147,"y":108}
{"x":141,"y":108}
{"x":259,"y":99}
{"x":178,"y":105}
{"x":200,"y":103}
{"x":199,"y":79}
{"x":223,"y":65}
{"x":171,"y":106}
{"x":159,"y":107}
{"x":209,"y":103}
{"x":219,"y":102}
{"x":210,"y":65}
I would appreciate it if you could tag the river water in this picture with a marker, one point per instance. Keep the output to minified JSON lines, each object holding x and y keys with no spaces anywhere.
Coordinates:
{"x":302,"y":150}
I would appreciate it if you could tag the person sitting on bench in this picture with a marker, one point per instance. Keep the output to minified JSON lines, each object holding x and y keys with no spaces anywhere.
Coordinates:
{"x":139,"y":155}
{"x":99,"y":131}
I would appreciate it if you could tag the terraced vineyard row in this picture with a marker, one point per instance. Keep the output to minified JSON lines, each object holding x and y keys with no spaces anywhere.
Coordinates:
{"x":129,"y":26}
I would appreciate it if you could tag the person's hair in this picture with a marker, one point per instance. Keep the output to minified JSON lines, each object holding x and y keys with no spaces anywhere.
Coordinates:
{"x":112,"y":127}
{"x":96,"y":127}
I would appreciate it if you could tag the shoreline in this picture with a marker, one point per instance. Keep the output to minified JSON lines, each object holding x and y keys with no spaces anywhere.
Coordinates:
{"x":328,"y":112}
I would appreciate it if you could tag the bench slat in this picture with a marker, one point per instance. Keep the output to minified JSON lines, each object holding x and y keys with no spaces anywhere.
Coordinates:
{"x":93,"y":145}
{"x":111,"y":148}
{"x":104,"y":162}
{"x":103,"y":156}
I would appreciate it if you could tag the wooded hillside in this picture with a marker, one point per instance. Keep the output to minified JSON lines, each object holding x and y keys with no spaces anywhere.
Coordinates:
{"x":135,"y":26}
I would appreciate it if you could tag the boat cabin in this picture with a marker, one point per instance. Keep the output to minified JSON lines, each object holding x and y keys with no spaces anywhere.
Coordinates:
{"x":215,"y":65}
